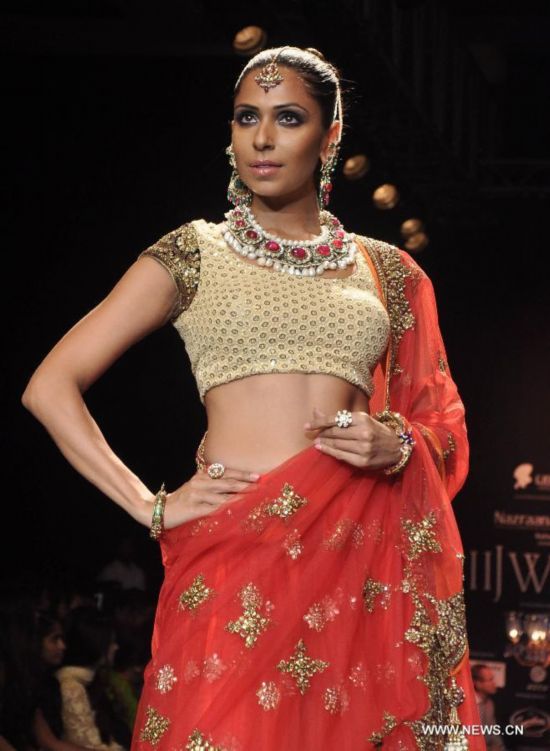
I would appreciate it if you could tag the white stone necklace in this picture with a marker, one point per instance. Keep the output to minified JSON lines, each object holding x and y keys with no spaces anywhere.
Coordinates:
{"x":333,"y":248}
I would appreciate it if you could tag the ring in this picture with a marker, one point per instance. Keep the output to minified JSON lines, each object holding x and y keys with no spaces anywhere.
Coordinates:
{"x":343,"y":418}
{"x":216,"y":470}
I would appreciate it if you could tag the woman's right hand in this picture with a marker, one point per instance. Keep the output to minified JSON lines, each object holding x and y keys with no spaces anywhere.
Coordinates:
{"x":201,"y":495}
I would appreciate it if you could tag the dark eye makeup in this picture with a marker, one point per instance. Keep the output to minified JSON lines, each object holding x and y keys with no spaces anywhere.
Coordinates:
{"x":239,"y":117}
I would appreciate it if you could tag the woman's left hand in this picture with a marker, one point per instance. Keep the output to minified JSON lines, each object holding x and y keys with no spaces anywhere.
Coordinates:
{"x":366,"y":443}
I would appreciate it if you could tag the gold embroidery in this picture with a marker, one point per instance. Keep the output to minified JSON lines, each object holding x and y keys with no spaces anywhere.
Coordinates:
{"x":195,"y":595}
{"x":286,"y":504}
{"x":336,"y":699}
{"x":389,"y":723}
{"x":452,"y":446}
{"x":442,"y":636}
{"x":387,"y":258}
{"x":421,"y":536}
{"x":251,"y":624}
{"x":321,"y":613}
{"x":293,"y":545}
{"x":155,"y":727}
{"x":268,"y":695}
{"x":166,"y":678}
{"x":344,"y":529}
{"x":441,"y":363}
{"x":301,"y":667}
{"x":178,"y":251}
{"x":373,"y":589}
{"x":198,"y":742}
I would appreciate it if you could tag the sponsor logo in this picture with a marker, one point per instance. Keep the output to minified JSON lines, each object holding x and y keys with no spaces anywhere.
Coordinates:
{"x":535,"y":722}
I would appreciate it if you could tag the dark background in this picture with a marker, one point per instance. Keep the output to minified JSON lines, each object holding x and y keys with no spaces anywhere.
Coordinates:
{"x":116,"y":118}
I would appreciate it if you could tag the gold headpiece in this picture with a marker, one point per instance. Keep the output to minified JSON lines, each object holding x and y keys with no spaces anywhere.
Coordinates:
{"x":270,"y":75}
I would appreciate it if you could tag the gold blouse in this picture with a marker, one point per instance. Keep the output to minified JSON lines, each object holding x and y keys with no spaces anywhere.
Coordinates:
{"x":238,"y":319}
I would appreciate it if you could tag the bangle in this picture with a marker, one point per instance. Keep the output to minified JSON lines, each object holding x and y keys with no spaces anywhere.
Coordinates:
{"x":403,"y":430}
{"x":157,"y":524}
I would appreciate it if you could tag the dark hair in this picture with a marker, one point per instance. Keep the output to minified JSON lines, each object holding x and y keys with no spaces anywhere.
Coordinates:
{"x":88,"y":635}
{"x":321,"y":78}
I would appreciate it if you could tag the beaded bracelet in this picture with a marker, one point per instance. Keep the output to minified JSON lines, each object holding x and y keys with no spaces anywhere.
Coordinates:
{"x":157,"y":525}
{"x":403,"y":430}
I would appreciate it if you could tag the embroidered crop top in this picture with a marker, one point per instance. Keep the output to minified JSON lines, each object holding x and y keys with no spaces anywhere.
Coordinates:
{"x":238,"y":319}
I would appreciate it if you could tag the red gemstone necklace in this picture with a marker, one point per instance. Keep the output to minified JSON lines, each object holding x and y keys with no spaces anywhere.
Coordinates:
{"x":333,"y":248}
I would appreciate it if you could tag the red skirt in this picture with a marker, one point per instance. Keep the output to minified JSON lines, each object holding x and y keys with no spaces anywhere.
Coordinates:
{"x":313,"y":612}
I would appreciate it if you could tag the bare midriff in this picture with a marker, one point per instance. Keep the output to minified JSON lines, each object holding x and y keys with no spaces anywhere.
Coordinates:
{"x":257,"y":422}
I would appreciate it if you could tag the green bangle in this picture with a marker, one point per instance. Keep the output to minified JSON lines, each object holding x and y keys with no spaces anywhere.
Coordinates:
{"x":157,"y":523}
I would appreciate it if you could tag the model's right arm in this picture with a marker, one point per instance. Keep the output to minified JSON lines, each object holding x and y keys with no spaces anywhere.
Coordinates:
{"x":143,"y":300}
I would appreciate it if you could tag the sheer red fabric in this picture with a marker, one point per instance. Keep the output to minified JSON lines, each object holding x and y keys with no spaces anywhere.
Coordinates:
{"x":325,"y":610}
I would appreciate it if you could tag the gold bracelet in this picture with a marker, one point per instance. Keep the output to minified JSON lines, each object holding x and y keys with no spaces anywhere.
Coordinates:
{"x":157,"y":524}
{"x":403,"y":430}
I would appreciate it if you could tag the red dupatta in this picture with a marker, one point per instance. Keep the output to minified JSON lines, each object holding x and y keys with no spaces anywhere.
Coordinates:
{"x":415,"y":380}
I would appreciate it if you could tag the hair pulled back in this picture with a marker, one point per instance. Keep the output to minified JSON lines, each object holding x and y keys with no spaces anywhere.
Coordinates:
{"x":321,"y":78}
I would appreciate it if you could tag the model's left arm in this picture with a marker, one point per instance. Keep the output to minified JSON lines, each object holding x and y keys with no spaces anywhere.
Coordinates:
{"x":422,"y":386}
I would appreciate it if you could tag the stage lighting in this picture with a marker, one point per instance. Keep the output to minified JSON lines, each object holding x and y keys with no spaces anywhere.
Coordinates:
{"x":385,"y":196}
{"x":416,"y":242}
{"x":411,"y":226}
{"x":356,"y":167}
{"x":249,"y":41}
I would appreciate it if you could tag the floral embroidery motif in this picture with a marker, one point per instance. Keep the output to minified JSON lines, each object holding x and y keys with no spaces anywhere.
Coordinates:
{"x":373,"y":589}
{"x":389,"y":724}
{"x":344,"y":530}
{"x":287,"y":504}
{"x":321,"y":613}
{"x":302,"y":667}
{"x":293,"y":545}
{"x":251,"y":623}
{"x":155,"y":726}
{"x":421,"y":536}
{"x":442,"y":365}
{"x":336,"y":699}
{"x":198,"y":742}
{"x":179,"y":252}
{"x":166,"y":678}
{"x":358,"y":676}
{"x":191,"y":671}
{"x":268,"y":695}
{"x":195,"y":595}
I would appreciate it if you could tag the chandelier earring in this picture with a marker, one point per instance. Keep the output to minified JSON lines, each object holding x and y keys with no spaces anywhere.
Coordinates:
{"x":238,"y":192}
{"x":327,"y":170}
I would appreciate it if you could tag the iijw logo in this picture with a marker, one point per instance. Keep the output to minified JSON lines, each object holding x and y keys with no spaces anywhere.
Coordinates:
{"x":525,"y":478}
{"x":524,"y":571}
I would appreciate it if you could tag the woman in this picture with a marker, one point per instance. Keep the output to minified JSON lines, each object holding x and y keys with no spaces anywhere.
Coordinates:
{"x":86,"y":714}
{"x":313,"y":569}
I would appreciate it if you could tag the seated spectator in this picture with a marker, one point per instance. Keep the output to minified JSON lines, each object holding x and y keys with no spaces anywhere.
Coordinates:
{"x":87,"y":715}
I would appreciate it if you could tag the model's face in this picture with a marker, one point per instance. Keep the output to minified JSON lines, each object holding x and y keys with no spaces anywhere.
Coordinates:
{"x":53,"y":647}
{"x":283,"y":126}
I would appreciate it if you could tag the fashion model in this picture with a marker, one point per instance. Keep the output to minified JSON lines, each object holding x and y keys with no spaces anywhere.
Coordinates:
{"x":313,"y":594}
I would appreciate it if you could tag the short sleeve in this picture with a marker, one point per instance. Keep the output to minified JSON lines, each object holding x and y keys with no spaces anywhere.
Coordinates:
{"x":179,"y":252}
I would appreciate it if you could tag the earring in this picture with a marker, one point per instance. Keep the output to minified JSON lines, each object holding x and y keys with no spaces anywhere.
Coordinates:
{"x":238,"y":192}
{"x":325,"y":185}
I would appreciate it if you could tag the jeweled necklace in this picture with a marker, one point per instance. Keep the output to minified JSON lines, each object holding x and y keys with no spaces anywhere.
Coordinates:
{"x":333,"y":248}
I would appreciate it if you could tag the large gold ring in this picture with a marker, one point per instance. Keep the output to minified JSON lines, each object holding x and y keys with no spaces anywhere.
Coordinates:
{"x":216,"y":470}
{"x":343,"y":418}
